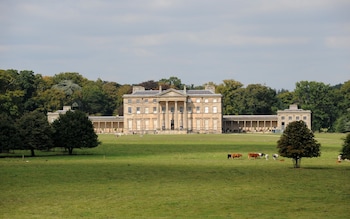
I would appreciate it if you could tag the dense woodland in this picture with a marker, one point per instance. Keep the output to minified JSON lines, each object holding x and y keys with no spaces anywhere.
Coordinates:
{"x":24,"y":91}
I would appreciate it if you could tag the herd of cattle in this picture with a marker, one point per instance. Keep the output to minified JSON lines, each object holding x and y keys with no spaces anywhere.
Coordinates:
{"x":252,"y":155}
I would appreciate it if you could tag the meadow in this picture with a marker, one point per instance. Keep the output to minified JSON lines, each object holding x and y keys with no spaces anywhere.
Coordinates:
{"x":175,"y":176}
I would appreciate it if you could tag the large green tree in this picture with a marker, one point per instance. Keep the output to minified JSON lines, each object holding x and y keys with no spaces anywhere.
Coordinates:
{"x":35,"y":132}
{"x":172,"y":82}
{"x":95,"y":100}
{"x":342,"y":123}
{"x":346,"y":147}
{"x":297,"y":141}
{"x":74,"y":130}
{"x":321,"y":99}
{"x":9,"y":139}
{"x":231,"y":91}
{"x":259,"y":99}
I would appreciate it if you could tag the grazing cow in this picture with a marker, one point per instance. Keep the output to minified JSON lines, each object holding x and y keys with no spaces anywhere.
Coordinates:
{"x":266,"y":156}
{"x":275,"y":156}
{"x":339,"y":158}
{"x":233,"y":156}
{"x":236,"y":156}
{"x":254,"y":155}
{"x":261,"y":155}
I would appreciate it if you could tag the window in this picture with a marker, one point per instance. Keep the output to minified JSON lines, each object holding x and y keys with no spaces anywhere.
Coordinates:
{"x":214,"y":100}
{"x":297,"y":118}
{"x":282,"y":117}
{"x":138,"y":124}
{"x":130,"y":124}
{"x":163,"y":109}
{"x":129,"y":101}
{"x":290,"y":118}
{"x":154,"y":100}
{"x":206,"y":124}
{"x":172,"y":109}
{"x":198,"y":125}
{"x":146,"y":110}
{"x":147,"y":124}
{"x":155,"y":124}
{"x":198,"y":109}
{"x":181,"y":109}
{"x":129,"y":110}
{"x":137,"y":100}
{"x":189,"y":109}
{"x":206,"y":109}
{"x":189,"y":101}
{"x":215,"y":109}
{"x":138,"y":110}
{"x":215,"y":124}
{"x":154,"y":109}
{"x":206,"y":100}
{"x":304,"y":118}
{"x":198,"y":100}
{"x":146,"y":100}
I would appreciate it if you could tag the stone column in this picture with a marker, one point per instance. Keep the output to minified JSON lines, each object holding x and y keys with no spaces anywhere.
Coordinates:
{"x":185,"y":122}
{"x":166,"y":115}
{"x":159,"y":111}
{"x":176,"y":119}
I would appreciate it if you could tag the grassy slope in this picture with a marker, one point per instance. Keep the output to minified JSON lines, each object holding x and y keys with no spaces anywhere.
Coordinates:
{"x":176,"y":176}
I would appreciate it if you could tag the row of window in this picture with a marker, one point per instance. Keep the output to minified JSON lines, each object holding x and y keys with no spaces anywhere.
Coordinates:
{"x":197,"y":125}
{"x":172,"y":110}
{"x":296,"y":118}
{"x":197,"y":100}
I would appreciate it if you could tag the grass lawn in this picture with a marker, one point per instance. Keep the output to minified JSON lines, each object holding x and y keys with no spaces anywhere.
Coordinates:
{"x":176,"y":176}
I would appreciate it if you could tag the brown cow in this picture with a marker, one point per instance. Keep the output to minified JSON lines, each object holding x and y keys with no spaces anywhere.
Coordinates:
{"x":254,"y":155}
{"x":233,"y":156}
{"x":236,"y":156}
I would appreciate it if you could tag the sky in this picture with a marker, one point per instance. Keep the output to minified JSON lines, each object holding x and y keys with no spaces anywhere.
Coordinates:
{"x":270,"y":42}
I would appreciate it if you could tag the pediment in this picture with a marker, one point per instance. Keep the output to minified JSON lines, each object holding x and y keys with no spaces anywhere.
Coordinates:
{"x":171,"y":93}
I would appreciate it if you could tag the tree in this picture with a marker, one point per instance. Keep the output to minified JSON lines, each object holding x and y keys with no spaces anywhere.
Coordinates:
{"x":75,"y":77}
{"x":172,"y":82}
{"x":124,"y":89}
{"x":346,"y":147}
{"x":35,"y":132}
{"x":150,"y":85}
{"x":94,"y":100}
{"x":321,"y":100}
{"x":298,"y":141}
{"x":9,"y":139}
{"x":259,"y":99}
{"x":284,"y":99}
{"x":230,"y":90}
{"x":74,"y":130}
{"x":67,"y":86}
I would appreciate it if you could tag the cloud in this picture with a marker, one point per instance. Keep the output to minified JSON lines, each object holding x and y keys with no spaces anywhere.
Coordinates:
{"x":215,"y":38}
{"x":338,"y":42}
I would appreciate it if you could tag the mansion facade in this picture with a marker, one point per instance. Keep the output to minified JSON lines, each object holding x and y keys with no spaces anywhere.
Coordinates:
{"x":172,"y":111}
{"x":186,"y":111}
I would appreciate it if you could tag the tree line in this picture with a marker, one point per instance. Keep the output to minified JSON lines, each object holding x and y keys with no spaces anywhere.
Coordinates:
{"x":24,"y":91}
{"x":32,"y":132}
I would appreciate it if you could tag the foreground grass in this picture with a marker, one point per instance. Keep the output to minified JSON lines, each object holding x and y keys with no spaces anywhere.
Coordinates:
{"x":176,"y":177}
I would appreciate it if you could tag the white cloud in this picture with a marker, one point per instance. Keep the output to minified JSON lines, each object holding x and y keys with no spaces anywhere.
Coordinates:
{"x":215,"y":38}
{"x":338,"y":42}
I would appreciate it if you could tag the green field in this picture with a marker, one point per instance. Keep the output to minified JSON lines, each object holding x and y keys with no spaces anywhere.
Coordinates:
{"x":176,"y":176}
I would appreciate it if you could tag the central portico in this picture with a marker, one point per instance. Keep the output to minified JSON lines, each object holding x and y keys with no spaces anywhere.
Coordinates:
{"x":172,"y":111}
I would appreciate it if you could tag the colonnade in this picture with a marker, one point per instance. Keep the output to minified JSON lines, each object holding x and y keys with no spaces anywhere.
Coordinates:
{"x":247,"y":123}
{"x":107,"y":124}
{"x":168,"y":119}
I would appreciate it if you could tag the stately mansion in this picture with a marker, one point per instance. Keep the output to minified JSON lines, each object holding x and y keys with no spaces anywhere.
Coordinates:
{"x":184,"y":111}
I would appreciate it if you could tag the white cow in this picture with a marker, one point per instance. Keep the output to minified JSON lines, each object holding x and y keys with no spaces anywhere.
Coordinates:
{"x":267,"y":156}
{"x":275,"y":156}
